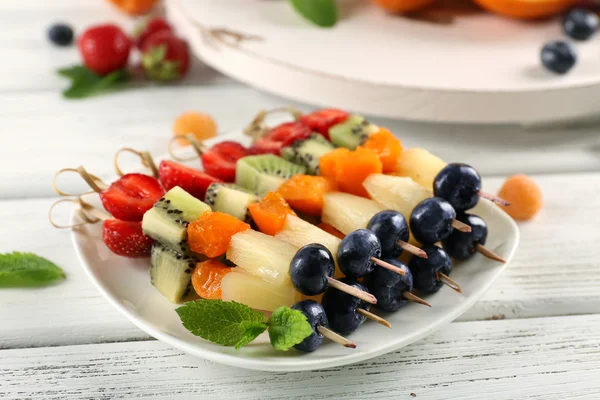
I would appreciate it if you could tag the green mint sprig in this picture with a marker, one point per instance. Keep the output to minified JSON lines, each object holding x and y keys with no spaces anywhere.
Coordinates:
{"x":86,"y":83}
{"x":323,"y":13}
{"x":27,"y":270}
{"x":230,"y":323}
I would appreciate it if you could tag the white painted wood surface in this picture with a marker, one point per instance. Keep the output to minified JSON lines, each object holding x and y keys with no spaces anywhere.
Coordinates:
{"x":542,"y":349}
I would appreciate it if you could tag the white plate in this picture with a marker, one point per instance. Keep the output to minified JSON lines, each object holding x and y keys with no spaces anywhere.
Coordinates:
{"x":126,"y":285}
{"x":482,"y":68}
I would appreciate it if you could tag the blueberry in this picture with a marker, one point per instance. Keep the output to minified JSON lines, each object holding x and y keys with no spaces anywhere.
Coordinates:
{"x":388,"y":286}
{"x":458,"y":184}
{"x":355,"y":252}
{"x":315,"y":315}
{"x":462,"y":245}
{"x":558,"y":56}
{"x":341,"y":308}
{"x":580,"y":24}
{"x":431,"y":220}
{"x":425,"y":270}
{"x":60,"y":34}
{"x":310,"y":268}
{"x":389,"y":227}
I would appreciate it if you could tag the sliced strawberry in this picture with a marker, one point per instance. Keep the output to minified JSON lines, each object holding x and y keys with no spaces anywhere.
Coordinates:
{"x":321,"y":120}
{"x":193,"y":181}
{"x":281,"y":136}
{"x":221,"y":159}
{"x":125,"y":238}
{"x":131,"y":196}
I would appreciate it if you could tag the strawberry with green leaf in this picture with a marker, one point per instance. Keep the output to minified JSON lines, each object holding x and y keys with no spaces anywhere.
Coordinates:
{"x":165,"y":57}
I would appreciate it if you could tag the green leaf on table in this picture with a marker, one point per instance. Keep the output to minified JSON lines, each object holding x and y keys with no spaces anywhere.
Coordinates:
{"x":224,"y":322}
{"x":86,"y":83}
{"x":27,"y":270}
{"x":320,"y":12}
{"x":287,"y":328}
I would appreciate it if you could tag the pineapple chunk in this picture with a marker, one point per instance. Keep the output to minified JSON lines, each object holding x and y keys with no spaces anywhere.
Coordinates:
{"x":347,"y":212}
{"x":420,"y":165}
{"x":263,"y":256}
{"x":396,"y":192}
{"x":299,"y":233}
{"x":256,"y":293}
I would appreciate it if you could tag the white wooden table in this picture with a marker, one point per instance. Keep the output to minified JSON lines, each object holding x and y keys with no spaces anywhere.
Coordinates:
{"x":536,"y":334}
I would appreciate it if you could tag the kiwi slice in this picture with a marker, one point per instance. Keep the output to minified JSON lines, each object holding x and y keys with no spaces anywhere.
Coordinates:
{"x":230,"y":199}
{"x":308,"y":152}
{"x":352,"y":132}
{"x":171,"y":272}
{"x":167,"y":221}
{"x":265,"y":172}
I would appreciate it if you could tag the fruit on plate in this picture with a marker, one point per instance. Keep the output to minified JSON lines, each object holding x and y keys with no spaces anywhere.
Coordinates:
{"x":60,"y":34}
{"x":352,"y":132}
{"x":356,"y":253}
{"x":193,"y":181}
{"x":429,"y":274}
{"x":255,"y":292}
{"x":221,"y":159}
{"x":525,"y":9}
{"x":265,"y":173}
{"x":387,"y":147}
{"x":580,"y":23}
{"x":402,"y":6}
{"x":311,"y":268}
{"x":342,"y":308}
{"x":395,"y":193}
{"x":104,"y":48}
{"x":262,"y":255}
{"x":331,"y":230}
{"x":524,"y":195}
{"x":346,"y":212}
{"x":125,"y":238}
{"x":167,"y":221}
{"x":211,"y":233}
{"x":322,"y":120}
{"x":165,"y":57}
{"x":135,"y":7}
{"x":207,"y":277}
{"x":391,"y":230}
{"x":305,"y":193}
{"x":131,"y":196}
{"x":202,"y":126}
{"x":419,"y":165}
{"x":270,"y":212}
{"x":279,"y":137}
{"x":170,"y":273}
{"x":431,"y":220}
{"x":558,"y":56}
{"x":308,"y":152}
{"x":149,"y":27}
{"x":389,"y":287}
{"x":350,"y":168}
{"x":230,"y":199}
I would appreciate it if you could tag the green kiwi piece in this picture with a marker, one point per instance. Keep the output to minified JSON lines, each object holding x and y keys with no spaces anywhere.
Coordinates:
{"x":230,"y":199}
{"x":352,"y":132}
{"x":308,"y":152}
{"x":265,"y":173}
{"x":171,"y":272}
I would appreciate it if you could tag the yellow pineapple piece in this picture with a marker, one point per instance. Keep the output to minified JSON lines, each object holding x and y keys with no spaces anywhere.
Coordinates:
{"x":347,"y":212}
{"x":396,"y":192}
{"x":257,"y":293}
{"x":420,"y":165}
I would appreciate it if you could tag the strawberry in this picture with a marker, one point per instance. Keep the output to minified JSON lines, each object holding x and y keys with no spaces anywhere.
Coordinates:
{"x":104,"y":48}
{"x":221,"y":159}
{"x":156,"y":24}
{"x":131,"y":196}
{"x":125,"y":238}
{"x":321,"y":120}
{"x":281,"y":136}
{"x":165,"y":56}
{"x":193,"y":181}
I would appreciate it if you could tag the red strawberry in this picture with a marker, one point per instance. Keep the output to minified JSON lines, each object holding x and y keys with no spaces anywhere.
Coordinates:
{"x":126,"y":238}
{"x":191,"y":180}
{"x":281,"y":136}
{"x":156,"y":24}
{"x":221,"y":159}
{"x":131,"y":196}
{"x":104,"y":48}
{"x":321,"y":120}
{"x":165,"y":56}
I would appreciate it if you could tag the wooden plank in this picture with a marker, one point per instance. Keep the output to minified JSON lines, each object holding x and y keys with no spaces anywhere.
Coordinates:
{"x":543,"y":358}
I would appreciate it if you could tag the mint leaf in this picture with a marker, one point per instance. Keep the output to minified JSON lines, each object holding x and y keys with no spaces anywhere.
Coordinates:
{"x":27,"y":270}
{"x":86,"y":83}
{"x":224,"y":322}
{"x":323,"y":13}
{"x":287,"y":328}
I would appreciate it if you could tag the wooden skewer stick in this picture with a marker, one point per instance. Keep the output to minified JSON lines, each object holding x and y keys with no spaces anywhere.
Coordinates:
{"x":411,"y":249}
{"x":461,"y":226}
{"x":415,"y":299}
{"x":351,"y":290}
{"x":488,"y":253}
{"x":334,"y":337}
{"x":493,"y":198}
{"x":373,"y":317}
{"x":387,"y":265}
{"x":445,"y":279}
